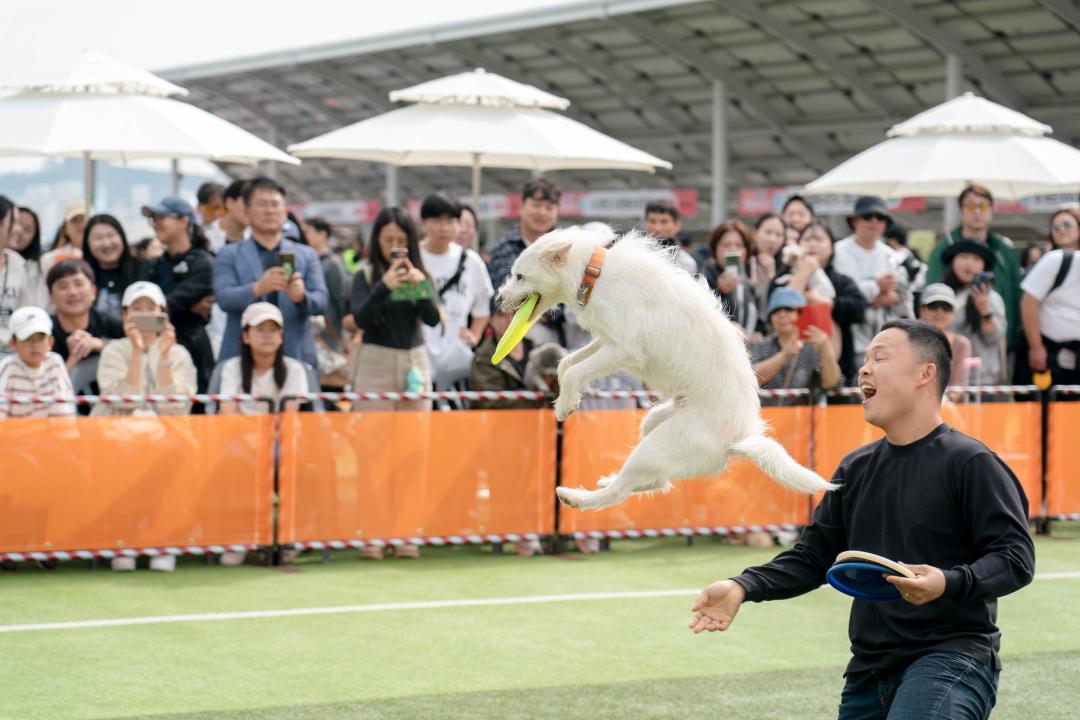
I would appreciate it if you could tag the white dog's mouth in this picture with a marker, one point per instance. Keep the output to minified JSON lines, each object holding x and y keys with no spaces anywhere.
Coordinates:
{"x":538,"y":309}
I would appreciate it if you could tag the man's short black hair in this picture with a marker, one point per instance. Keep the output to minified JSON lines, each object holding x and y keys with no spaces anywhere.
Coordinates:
{"x":897,"y":232}
{"x":438,"y":205}
{"x":662,"y":207}
{"x":261,"y":183}
{"x":321,"y":225}
{"x":929,"y":344}
{"x":235,"y":190}
{"x":67,"y":268}
{"x":541,"y":189}
{"x":208,"y":190}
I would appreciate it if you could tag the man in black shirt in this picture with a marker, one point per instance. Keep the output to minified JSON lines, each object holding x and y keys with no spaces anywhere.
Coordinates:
{"x":926,"y":495}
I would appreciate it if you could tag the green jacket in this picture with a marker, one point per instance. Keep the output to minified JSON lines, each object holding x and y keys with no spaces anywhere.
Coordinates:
{"x":1007,"y":276}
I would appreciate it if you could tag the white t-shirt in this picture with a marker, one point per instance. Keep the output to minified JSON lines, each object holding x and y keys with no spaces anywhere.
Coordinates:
{"x":1059,"y":313}
{"x":14,"y":292}
{"x":471,"y":295}
{"x":263,"y":385}
{"x":863,"y":266}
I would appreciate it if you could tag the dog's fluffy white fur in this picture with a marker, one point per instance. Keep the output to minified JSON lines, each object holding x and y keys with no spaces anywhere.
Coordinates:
{"x":647,"y":316}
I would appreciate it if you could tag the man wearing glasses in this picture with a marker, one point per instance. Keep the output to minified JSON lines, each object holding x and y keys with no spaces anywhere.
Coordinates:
{"x":266,"y":267}
{"x":976,"y":213}
{"x":866,"y":258}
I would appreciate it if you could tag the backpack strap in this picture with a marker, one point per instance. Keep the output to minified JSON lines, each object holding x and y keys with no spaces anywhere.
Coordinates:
{"x":1063,"y":270}
{"x":456,"y":277}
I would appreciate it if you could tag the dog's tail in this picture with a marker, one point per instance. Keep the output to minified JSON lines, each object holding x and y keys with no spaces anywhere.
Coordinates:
{"x":775,"y":462}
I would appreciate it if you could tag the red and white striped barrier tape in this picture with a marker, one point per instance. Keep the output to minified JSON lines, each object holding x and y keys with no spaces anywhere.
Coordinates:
{"x":352,"y":397}
{"x":1066,"y":390}
{"x":720,"y":530}
{"x":979,"y":389}
{"x":1066,"y":516}
{"x":436,"y":541}
{"x":125,"y":399}
{"x":125,"y":552}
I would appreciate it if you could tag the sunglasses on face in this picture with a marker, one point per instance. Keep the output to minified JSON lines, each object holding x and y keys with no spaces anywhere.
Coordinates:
{"x":939,"y":306}
{"x":1063,"y":225}
{"x":977,"y":206}
{"x":874,"y":217}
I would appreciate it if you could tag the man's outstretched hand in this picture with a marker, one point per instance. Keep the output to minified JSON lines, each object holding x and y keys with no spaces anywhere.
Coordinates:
{"x":717,"y":605}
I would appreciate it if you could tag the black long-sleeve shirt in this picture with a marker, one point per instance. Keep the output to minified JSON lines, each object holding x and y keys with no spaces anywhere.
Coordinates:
{"x":945,"y":500}
{"x":386,"y":322}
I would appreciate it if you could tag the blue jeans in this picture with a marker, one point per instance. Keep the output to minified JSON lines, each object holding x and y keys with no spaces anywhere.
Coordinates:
{"x":943,"y":685}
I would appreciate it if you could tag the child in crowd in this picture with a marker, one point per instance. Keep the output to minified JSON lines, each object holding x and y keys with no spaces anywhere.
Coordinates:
{"x":33,"y":369}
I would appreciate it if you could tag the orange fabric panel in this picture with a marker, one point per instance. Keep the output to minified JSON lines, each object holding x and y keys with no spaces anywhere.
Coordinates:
{"x":348,"y":476}
{"x":597,"y":443}
{"x":105,"y":483}
{"x":1009,"y":429}
{"x":1062,"y":484}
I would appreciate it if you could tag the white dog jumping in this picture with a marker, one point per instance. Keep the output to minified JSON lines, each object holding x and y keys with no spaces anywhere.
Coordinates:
{"x":650,"y":318}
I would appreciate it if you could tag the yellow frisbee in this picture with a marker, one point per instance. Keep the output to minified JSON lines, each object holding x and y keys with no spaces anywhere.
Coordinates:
{"x":519,"y":326}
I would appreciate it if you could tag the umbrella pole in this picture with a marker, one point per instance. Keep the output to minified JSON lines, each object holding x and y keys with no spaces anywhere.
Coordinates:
{"x":88,"y":183}
{"x":476,"y":182}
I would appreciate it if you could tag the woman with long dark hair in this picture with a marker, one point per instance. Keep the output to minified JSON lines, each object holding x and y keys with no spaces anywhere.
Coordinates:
{"x":969,"y":267}
{"x":115,"y":267}
{"x":391,"y":297}
{"x":27,"y":242}
{"x":12,"y":272}
{"x":729,"y":272}
{"x":815,"y":276}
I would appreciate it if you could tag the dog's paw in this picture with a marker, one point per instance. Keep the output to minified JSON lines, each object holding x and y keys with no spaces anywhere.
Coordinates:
{"x":565,"y":404}
{"x":570,"y":496}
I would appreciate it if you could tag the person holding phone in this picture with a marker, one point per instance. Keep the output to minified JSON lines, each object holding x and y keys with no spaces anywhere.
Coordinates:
{"x":730,"y":271}
{"x":969,"y":271}
{"x":786,"y":360}
{"x":268,"y":267}
{"x":389,"y":306}
{"x":147,"y":360}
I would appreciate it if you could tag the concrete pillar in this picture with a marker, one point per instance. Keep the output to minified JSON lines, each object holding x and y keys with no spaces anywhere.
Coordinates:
{"x":393,"y":186}
{"x":719,"y":153}
{"x":954,"y":81}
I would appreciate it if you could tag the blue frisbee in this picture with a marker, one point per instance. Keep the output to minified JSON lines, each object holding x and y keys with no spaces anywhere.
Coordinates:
{"x":862,"y":575}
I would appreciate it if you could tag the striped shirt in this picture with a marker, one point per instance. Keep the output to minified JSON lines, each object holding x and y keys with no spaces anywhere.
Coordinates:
{"x":50,"y":379}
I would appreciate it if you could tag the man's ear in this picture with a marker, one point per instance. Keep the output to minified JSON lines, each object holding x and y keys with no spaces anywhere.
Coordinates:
{"x":557,"y":252}
{"x":928,"y":374}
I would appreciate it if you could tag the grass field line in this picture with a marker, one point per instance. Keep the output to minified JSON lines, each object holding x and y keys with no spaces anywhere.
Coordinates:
{"x":383,"y":607}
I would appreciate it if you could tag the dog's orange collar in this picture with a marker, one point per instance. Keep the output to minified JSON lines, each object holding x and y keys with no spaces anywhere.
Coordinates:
{"x":592,"y":274}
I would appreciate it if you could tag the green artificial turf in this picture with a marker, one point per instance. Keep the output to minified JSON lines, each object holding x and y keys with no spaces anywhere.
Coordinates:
{"x":581,"y":659}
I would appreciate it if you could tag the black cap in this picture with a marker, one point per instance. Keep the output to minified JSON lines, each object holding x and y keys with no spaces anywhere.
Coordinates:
{"x":969,"y":246}
{"x":869,"y":205}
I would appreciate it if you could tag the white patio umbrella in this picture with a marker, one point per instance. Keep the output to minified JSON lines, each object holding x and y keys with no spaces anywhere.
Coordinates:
{"x":967,"y":139}
{"x":88,"y":110}
{"x":500,"y":124}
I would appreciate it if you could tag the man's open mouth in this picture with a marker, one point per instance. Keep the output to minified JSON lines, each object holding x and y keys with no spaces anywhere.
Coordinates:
{"x":868,"y":392}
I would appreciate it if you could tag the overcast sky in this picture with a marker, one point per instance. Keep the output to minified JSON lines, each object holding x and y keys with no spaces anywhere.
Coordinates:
{"x":156,"y":35}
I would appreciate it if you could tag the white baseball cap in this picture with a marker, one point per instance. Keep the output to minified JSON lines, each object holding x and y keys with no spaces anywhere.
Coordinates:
{"x":29,"y":321}
{"x":938,"y":292}
{"x":260,"y":312}
{"x":143,"y":289}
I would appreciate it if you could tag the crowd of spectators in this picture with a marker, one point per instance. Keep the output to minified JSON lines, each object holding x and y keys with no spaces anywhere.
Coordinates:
{"x":237,"y":296}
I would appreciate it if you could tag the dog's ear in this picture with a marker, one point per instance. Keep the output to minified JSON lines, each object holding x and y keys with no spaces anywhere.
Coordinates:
{"x":557,"y":252}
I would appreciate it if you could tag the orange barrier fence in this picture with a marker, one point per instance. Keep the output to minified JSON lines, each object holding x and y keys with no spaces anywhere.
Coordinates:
{"x":413,"y":474}
{"x":597,"y":443}
{"x":1012,"y":430}
{"x":1062,"y":480}
{"x":116,"y":483}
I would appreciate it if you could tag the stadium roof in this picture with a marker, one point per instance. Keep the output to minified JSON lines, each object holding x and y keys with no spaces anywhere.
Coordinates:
{"x":809,"y":82}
